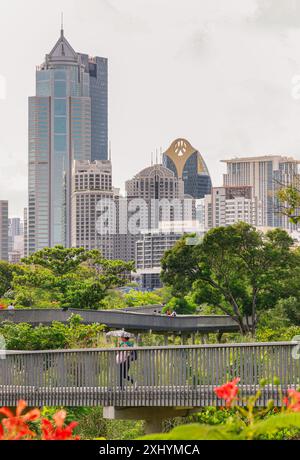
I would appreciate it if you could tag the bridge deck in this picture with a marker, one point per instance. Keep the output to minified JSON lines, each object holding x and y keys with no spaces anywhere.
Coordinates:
{"x":138,"y":320}
{"x":179,"y":396}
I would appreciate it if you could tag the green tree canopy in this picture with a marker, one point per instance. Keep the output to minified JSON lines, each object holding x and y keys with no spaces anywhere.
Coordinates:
{"x":6,"y":276}
{"x":233,"y":268}
{"x":60,"y":260}
{"x":75,"y":277}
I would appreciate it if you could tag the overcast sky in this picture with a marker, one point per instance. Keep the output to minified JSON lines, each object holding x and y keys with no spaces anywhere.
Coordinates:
{"x":216,"y":72}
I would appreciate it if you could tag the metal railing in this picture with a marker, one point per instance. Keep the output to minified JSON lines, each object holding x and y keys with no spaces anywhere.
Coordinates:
{"x":161,"y":376}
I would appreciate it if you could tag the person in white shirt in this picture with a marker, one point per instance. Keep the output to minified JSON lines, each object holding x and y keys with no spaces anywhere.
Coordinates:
{"x":11,"y":307}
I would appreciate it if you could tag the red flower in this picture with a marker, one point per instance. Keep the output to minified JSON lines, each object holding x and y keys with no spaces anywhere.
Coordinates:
{"x":228,"y":391}
{"x":15,"y":426}
{"x":292,"y":401}
{"x":57,"y":431}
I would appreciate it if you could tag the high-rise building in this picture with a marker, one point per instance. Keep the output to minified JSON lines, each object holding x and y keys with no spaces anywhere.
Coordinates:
{"x":15,"y":228}
{"x":25,"y":231}
{"x":3,"y":230}
{"x":157,"y":194}
{"x":15,"y":240}
{"x":188,"y":164}
{"x":67,"y":121}
{"x":231,"y":204}
{"x":151,"y":246}
{"x":92,"y":192}
{"x":266,"y":175}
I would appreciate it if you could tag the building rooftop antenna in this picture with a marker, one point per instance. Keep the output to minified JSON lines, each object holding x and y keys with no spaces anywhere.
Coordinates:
{"x":62,"y":23}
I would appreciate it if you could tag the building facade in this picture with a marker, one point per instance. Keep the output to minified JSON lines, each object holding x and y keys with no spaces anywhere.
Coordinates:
{"x":92,"y":194}
{"x":3,"y":230}
{"x":15,"y":228}
{"x":152,"y":245}
{"x":15,"y":239}
{"x":231,"y":204}
{"x":266,"y":175}
{"x":67,"y":121}
{"x":188,"y":164}
{"x":153,"y":195}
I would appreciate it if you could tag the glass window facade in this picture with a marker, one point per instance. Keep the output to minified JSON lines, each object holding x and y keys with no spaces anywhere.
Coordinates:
{"x":67,"y":120}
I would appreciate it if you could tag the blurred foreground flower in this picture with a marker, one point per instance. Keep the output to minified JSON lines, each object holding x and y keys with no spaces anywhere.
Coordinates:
{"x":228,"y":391}
{"x":14,"y":427}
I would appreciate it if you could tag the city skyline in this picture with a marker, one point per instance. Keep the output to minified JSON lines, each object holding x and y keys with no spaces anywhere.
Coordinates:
{"x":243,"y":108}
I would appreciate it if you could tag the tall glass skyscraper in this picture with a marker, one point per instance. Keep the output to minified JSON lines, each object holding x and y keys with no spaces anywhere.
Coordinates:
{"x":68,"y":120}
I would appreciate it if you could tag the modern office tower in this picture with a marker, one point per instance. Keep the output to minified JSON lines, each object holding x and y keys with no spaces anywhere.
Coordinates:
{"x":155,"y":194}
{"x":151,"y":246}
{"x":17,"y":252}
{"x":15,"y":228}
{"x":25,"y":231}
{"x":200,"y":212}
{"x":231,"y":204}
{"x":161,"y":190}
{"x":266,"y":174}
{"x":97,"y":68}
{"x":15,"y":240}
{"x":3,"y":230}
{"x":67,"y":121}
{"x":92,"y":195}
{"x":188,"y":164}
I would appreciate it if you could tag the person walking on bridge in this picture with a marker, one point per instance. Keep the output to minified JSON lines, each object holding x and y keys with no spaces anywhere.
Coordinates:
{"x":124,"y":359}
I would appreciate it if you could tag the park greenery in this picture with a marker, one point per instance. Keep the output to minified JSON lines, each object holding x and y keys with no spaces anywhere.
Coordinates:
{"x":289,"y":201}
{"x":62,"y":277}
{"x":245,"y":420}
{"x":234,"y":270}
{"x":239,"y":271}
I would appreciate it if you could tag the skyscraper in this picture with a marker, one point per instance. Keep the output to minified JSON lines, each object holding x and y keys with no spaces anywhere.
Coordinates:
{"x":14,"y":229}
{"x":228,"y":205}
{"x":188,"y":164}
{"x":3,"y":230}
{"x":153,"y":195}
{"x":67,"y":121}
{"x":266,"y":174}
{"x":92,"y":185}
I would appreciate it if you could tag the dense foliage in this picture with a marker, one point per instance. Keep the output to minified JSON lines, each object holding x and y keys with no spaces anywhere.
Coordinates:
{"x":247,"y":421}
{"x":62,"y":277}
{"x":24,"y":336}
{"x":236,"y":269}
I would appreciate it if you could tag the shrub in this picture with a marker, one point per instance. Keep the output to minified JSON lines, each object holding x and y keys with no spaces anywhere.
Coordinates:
{"x":246,"y":422}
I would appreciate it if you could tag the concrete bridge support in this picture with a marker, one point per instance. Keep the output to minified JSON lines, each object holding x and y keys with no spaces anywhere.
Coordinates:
{"x":153,"y":416}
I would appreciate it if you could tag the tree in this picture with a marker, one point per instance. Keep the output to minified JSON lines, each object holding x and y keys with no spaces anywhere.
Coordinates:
{"x":6,"y":277}
{"x":234,"y":268}
{"x":60,"y":260}
{"x":74,"y":277}
{"x":137,"y":298}
{"x":84,"y":294}
{"x":289,"y":202}
{"x":182,"y":306}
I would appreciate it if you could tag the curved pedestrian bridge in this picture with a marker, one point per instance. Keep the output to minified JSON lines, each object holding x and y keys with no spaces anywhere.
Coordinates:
{"x":136,"y":320}
{"x":181,"y":376}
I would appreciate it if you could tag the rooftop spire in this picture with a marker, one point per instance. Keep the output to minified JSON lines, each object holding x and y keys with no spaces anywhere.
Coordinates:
{"x":62,"y":50}
{"x":62,"y":24}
